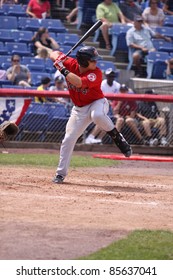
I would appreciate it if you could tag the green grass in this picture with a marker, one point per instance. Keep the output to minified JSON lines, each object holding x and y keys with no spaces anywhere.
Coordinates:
{"x":139,"y":245}
{"x":51,"y":160}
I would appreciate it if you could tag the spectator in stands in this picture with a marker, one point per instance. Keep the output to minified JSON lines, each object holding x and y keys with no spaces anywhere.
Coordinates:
{"x":130,"y":9}
{"x":18,"y":74}
{"x":168,"y":7}
{"x":60,"y":85}
{"x":153,"y":15}
{"x":3,"y":75}
{"x":149,"y":116}
{"x":73,"y":14}
{"x":139,"y":39}
{"x":109,"y":13}
{"x":38,"y":9}
{"x":8,"y":2}
{"x":42,"y":53}
{"x":108,"y":85}
{"x":125,"y":113}
{"x":42,"y":40}
{"x":45,"y":83}
{"x":169,"y":69}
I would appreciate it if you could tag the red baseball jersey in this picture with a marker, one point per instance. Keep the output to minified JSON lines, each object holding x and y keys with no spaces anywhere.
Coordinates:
{"x":91,"y":84}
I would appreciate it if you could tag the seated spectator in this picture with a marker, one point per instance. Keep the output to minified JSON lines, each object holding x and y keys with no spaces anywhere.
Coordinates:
{"x":42,"y":53}
{"x":60,"y":85}
{"x":153,"y":15}
{"x":139,"y":40}
{"x":168,"y":7}
{"x":169,"y":69}
{"x":73,"y":14}
{"x":149,"y":117}
{"x":108,"y":85}
{"x":109,"y":13}
{"x":42,"y":40}
{"x":45,"y":83}
{"x":18,"y":74}
{"x":38,"y":9}
{"x":130,"y":9}
{"x":125,"y":113}
{"x":3,"y":75}
{"x":8,"y":2}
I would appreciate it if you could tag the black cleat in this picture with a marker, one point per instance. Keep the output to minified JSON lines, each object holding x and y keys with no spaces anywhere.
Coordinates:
{"x":123,"y":145}
{"x":58,"y":179}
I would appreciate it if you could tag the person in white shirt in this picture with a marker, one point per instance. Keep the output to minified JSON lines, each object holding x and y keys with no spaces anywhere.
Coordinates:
{"x":108,"y":85}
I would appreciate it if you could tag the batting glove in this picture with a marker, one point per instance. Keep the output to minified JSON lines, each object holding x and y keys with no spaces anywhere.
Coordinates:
{"x":59,"y":64}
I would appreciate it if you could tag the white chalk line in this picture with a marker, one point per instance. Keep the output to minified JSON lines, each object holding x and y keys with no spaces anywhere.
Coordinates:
{"x":69,"y":197}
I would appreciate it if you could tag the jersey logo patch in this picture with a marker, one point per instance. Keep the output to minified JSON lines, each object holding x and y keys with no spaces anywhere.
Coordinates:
{"x":91,"y":77}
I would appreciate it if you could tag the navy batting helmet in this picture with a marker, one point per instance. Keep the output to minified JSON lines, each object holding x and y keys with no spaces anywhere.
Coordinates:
{"x":86,"y":54}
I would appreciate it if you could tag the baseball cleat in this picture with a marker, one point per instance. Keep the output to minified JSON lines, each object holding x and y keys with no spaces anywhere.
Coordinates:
{"x":58,"y":179}
{"x":123,"y":145}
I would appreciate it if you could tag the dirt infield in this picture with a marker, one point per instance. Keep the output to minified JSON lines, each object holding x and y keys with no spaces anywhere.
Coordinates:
{"x":95,"y":206}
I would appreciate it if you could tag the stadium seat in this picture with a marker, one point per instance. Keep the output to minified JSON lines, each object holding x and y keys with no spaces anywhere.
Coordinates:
{"x":53,"y":25}
{"x":12,"y":86}
{"x":165,"y":30}
{"x":65,"y":50}
{"x":86,"y":12}
{"x":8,"y":22}
{"x":162,"y":46}
{"x":6,"y":35}
{"x":22,"y":36}
{"x":55,"y":130}
{"x":5,"y":59}
{"x":118,"y":32}
{"x":3,"y":49}
{"x":34,"y":64}
{"x":168,"y":21}
{"x":104,"y":64}
{"x":5,"y":65}
{"x":67,"y":39}
{"x":17,"y":48}
{"x":4,"y":83}
{"x":31,"y":24}
{"x":37,"y":76}
{"x":156,"y":64}
{"x":33,"y":126}
{"x":49,"y":66}
{"x":16,"y":10}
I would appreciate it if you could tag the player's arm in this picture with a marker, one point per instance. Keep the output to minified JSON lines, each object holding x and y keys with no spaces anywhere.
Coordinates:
{"x":59,"y":58}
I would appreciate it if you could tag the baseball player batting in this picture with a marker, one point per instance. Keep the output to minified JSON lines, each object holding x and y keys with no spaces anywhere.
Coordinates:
{"x":84,"y":83}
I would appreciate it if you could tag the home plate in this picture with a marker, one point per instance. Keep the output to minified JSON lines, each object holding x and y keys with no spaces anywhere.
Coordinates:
{"x":134,"y":157}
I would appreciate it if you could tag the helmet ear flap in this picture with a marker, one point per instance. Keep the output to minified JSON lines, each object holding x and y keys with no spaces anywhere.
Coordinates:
{"x":82,"y":61}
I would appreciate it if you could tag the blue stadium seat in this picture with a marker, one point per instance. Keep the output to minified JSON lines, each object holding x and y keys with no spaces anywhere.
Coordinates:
{"x":8,"y":22}
{"x":16,"y":10}
{"x":5,"y":65}
{"x":37,"y":76}
{"x":49,"y":66}
{"x":33,"y":124}
{"x":168,"y":21}
{"x":3,"y":49}
{"x":55,"y":130}
{"x":53,"y":25}
{"x":5,"y":59}
{"x":118,"y":32}
{"x":22,"y":36}
{"x":156,"y":64}
{"x":162,"y":46}
{"x":165,"y":30}
{"x":17,"y":48}
{"x":6,"y":35}
{"x":4,"y":83}
{"x":12,"y":86}
{"x":31,"y":24}
{"x":67,"y":39}
{"x":65,"y":49}
{"x":86,"y":12}
{"x":104,"y":64}
{"x":34,"y":64}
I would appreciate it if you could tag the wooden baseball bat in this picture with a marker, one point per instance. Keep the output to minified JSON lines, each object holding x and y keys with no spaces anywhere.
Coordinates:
{"x":85,"y":36}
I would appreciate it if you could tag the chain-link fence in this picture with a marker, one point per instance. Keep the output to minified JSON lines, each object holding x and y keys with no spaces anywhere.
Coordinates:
{"x":46,"y":122}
